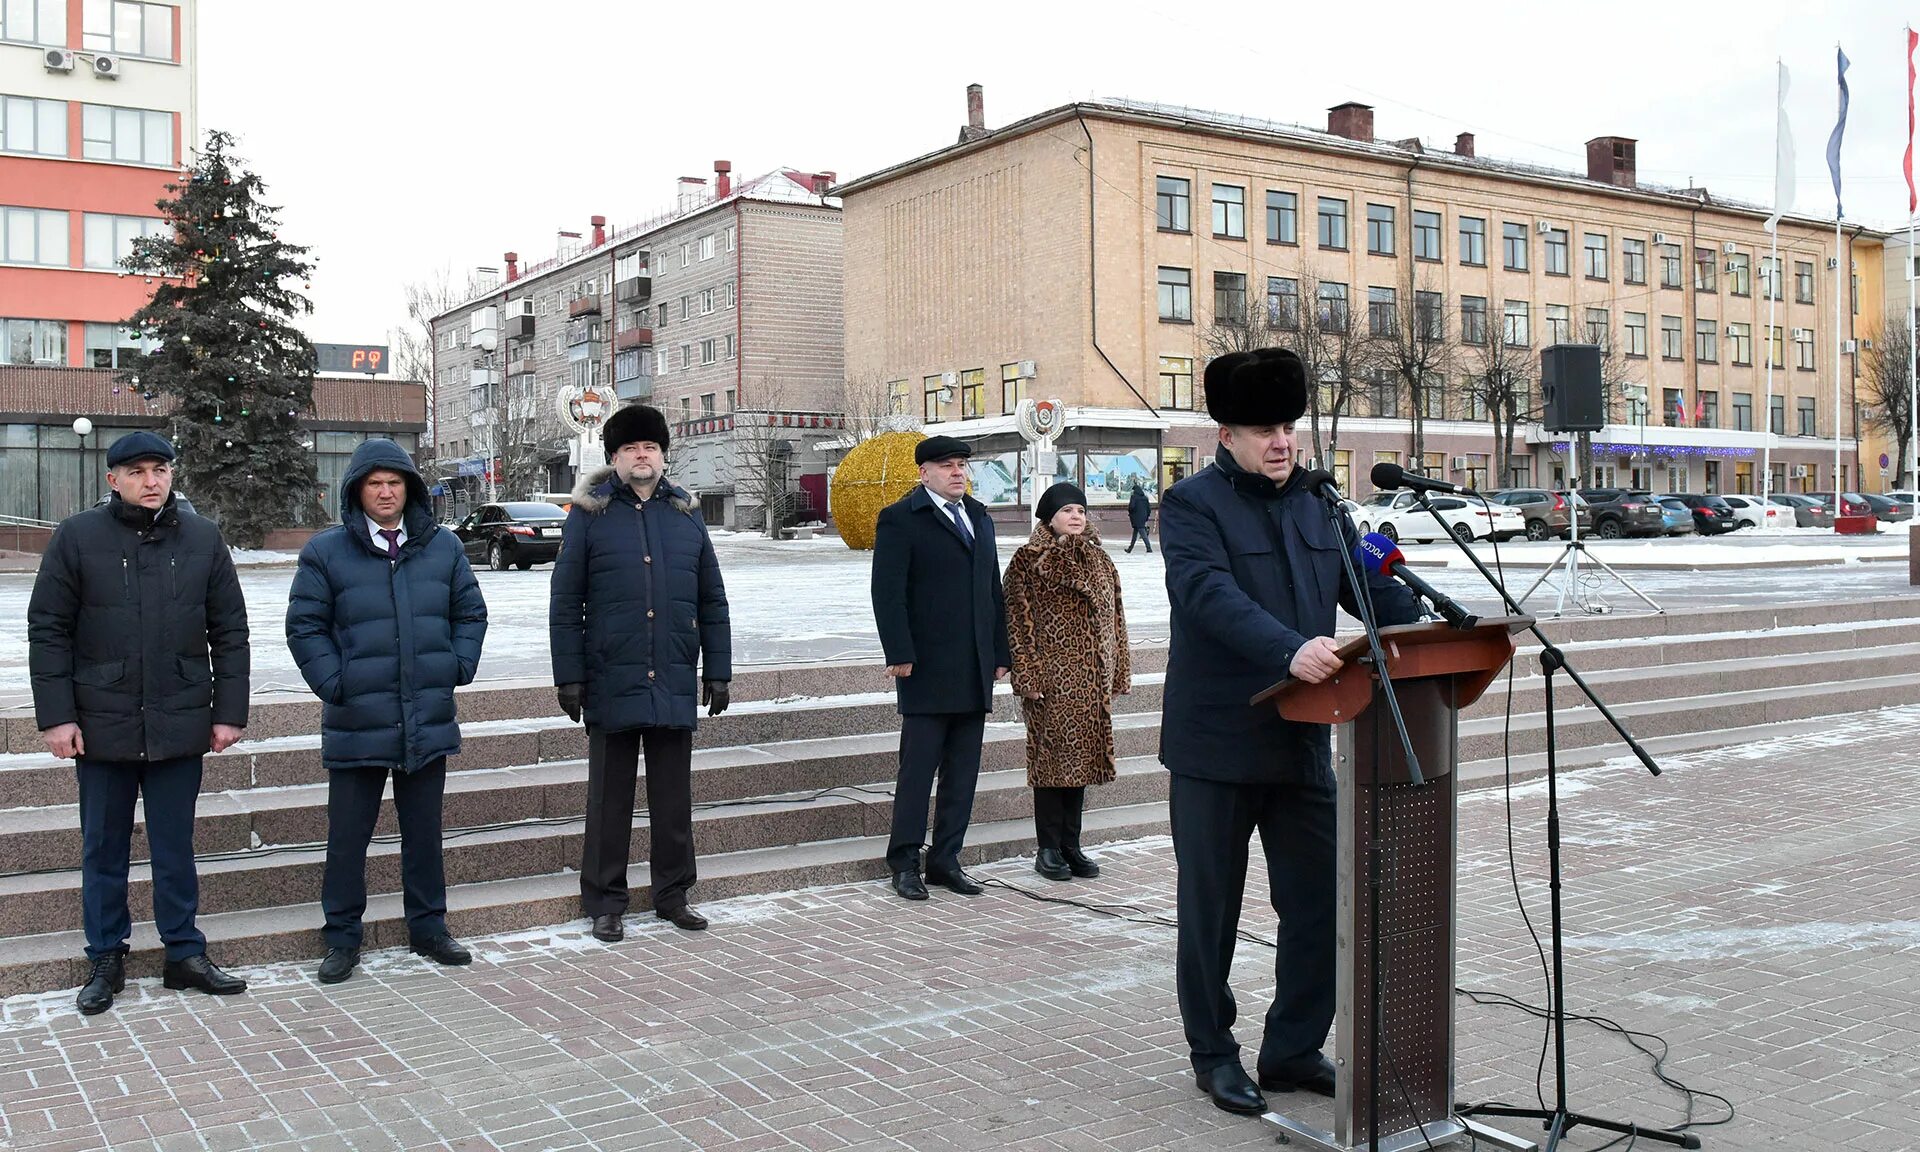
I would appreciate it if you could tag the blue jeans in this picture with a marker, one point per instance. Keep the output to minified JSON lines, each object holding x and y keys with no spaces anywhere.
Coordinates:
{"x":170,"y":789}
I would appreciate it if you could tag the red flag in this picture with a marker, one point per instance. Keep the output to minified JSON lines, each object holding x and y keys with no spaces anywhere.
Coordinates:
{"x":1913,"y":198}
{"x":1699,"y":409}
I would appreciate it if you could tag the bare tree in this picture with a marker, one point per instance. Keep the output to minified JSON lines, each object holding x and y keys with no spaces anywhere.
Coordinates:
{"x":426,"y":298}
{"x":1497,"y":385}
{"x":868,"y":405}
{"x":1418,"y":351}
{"x":1885,"y":381}
{"x":762,"y":460}
{"x":1334,"y":346}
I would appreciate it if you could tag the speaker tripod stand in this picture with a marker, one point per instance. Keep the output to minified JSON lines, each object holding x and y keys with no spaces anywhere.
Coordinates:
{"x":1569,"y":559}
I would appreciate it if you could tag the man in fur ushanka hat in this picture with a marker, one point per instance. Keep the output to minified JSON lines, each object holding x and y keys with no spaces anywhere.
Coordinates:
{"x":1253,"y":575}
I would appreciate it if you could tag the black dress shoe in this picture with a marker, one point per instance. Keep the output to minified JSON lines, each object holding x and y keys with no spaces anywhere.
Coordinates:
{"x":909,"y":886}
{"x":442,"y":949}
{"x":1079,"y":864}
{"x":1310,"y":1072}
{"x":608,"y":929}
{"x":200,"y":974}
{"x":107,"y":978}
{"x":1049,"y":863}
{"x":1232,"y":1089}
{"x":338,"y":965}
{"x":957,"y":882}
{"x":683,"y":917}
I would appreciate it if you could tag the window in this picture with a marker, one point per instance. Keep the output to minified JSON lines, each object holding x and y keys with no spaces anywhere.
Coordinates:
{"x":1473,"y":319}
{"x":1669,"y":265}
{"x":33,"y":236}
{"x":708,"y":352}
{"x":1709,"y":409}
{"x":1383,"y":313}
{"x":1636,"y":330}
{"x":1803,"y":349}
{"x":1596,"y":256}
{"x":1802,"y":282}
{"x":1740,"y":343}
{"x":1770,"y":278}
{"x":1515,"y":326}
{"x":1777,"y":415}
{"x":1429,"y":315}
{"x":1803,"y":409}
{"x":1283,"y":302}
{"x":1176,"y":464}
{"x":1740,"y":274}
{"x":126,"y":135}
{"x":32,"y":341}
{"x":706,"y":302}
{"x":930,"y":412}
{"x":1559,"y":324}
{"x":1599,"y":328}
{"x":1706,"y":348}
{"x":973,"y":394}
{"x":1383,"y":389}
{"x":706,"y":406}
{"x":1380,"y":229}
{"x":34,"y":21}
{"x":1776,"y":346}
{"x":1176,"y":294}
{"x":686,"y":307}
{"x":686,"y":255}
{"x":1633,"y":261}
{"x":1230,"y":211}
{"x":1333,"y":223}
{"x":1230,"y":298}
{"x":1173,"y":204}
{"x":686,"y":356}
{"x":1433,"y":400}
{"x":1426,"y":235}
{"x":1013,"y":388}
{"x":1673,"y":407}
{"x":898,"y":398}
{"x":706,"y":246}
{"x":1283,"y":218}
{"x":732,"y":240}
{"x":129,"y":29}
{"x":37,"y":126}
{"x":1513,"y":246}
{"x":686,"y":409}
{"x":1176,"y":382}
{"x":1556,"y":251}
{"x":730,"y":346}
{"x":109,"y":239}
{"x":1706,"y":273}
{"x":1473,"y":241}
{"x":1333,"y":307}
{"x":1670,"y":345}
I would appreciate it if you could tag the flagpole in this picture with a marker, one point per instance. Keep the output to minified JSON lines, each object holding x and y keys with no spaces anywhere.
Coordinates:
{"x":1842,"y":272}
{"x":1774,"y":283}
{"x":1913,"y":364}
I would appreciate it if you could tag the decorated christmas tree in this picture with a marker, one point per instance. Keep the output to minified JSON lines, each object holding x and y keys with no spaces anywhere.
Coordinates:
{"x":237,"y":371}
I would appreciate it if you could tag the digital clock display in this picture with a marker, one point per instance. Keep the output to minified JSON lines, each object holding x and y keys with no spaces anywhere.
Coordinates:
{"x":368,"y":358}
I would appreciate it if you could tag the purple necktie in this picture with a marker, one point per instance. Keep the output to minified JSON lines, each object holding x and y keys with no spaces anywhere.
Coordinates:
{"x":393,"y":542}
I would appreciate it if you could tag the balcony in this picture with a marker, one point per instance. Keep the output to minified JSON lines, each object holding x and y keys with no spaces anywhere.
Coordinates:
{"x":482,"y":377}
{"x":638,"y":388}
{"x":634,"y":290}
{"x":633,"y":338}
{"x":585,"y":306}
{"x":485,"y":418}
{"x":519,"y":327}
{"x":522,"y":366}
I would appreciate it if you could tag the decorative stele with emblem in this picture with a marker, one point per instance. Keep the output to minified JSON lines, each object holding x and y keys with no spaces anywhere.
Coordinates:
{"x":583,"y":411}
{"x":875,"y":474}
{"x":1040,"y":423}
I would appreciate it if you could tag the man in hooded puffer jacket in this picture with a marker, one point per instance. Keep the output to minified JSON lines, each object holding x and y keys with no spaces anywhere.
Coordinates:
{"x":385,"y":620}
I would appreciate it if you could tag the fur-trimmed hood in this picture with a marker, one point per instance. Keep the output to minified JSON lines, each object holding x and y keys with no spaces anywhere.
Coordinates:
{"x":595,"y":491}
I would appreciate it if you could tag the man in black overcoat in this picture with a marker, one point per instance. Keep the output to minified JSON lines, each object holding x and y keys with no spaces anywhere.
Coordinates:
{"x":1253,"y":576}
{"x":943,"y":628}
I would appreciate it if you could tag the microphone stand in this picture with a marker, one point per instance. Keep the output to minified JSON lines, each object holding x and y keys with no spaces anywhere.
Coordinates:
{"x":1559,"y":1119}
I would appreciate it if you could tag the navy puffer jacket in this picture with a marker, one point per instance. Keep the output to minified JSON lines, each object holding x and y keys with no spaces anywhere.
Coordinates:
{"x":638,"y":611}
{"x":383,"y":643}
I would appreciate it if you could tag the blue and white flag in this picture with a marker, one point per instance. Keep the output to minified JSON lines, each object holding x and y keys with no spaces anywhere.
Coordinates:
{"x":1839,"y":130}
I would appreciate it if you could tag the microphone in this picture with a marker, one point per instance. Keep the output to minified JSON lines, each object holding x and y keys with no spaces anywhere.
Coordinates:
{"x":1389,"y":475}
{"x":1321,"y":482}
{"x":1380,"y":554}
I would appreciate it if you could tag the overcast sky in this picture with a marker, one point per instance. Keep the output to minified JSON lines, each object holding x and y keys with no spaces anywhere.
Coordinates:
{"x":403,"y":136}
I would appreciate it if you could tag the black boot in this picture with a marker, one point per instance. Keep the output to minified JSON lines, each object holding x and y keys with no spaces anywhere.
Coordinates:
{"x":108,"y":977}
{"x":1049,"y":863}
{"x":1078,"y":863}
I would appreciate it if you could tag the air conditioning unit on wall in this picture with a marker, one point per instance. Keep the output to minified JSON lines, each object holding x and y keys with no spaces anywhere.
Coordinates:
{"x":59,"y":60}
{"x":106,"y":67}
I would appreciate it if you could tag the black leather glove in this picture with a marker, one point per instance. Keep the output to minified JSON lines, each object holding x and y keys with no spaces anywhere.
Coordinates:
{"x":570,"y":698}
{"x":713,"y":693}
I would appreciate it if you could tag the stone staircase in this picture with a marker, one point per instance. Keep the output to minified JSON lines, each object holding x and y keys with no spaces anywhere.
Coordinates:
{"x":793,"y":785}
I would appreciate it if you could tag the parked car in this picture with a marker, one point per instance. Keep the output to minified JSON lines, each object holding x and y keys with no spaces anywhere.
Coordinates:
{"x":1856,"y":504}
{"x":1621,"y":512}
{"x":1677,"y":517}
{"x":1547,"y":514}
{"x":1807,"y":512}
{"x":1886,"y":509}
{"x":1712,"y":515}
{"x":1749,"y":512}
{"x":1398,"y":516}
{"x":518,"y":534}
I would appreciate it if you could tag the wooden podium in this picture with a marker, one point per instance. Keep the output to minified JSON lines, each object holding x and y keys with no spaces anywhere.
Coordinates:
{"x":1436,"y":670}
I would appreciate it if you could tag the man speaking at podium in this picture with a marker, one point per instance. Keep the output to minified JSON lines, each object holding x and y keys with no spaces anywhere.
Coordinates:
{"x":1253,"y":574}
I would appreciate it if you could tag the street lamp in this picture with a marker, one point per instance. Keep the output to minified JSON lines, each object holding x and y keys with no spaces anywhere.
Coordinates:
{"x":83,"y":428}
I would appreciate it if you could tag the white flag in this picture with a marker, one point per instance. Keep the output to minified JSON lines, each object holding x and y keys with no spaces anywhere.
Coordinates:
{"x":1782,"y":160}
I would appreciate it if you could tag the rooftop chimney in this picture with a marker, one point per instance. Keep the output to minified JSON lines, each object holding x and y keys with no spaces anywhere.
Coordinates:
{"x":513,"y":267}
{"x":976,"y":126}
{"x":1351,"y":120}
{"x":693,"y":189}
{"x":1463,"y":144}
{"x":599,"y":230}
{"x":1610,"y":160}
{"x":722,"y":178}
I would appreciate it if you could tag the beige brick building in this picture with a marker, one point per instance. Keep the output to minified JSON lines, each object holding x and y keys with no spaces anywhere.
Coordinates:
{"x":1102,"y":252}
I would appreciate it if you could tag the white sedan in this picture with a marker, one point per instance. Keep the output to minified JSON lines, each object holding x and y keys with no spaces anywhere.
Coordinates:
{"x":1399,"y":516}
{"x":1749,"y":512}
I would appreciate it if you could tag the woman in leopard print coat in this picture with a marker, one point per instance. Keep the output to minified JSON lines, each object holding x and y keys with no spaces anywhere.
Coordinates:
{"x":1068,"y":633}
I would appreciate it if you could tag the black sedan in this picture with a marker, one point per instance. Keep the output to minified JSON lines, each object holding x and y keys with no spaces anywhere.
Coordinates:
{"x":519,"y":534}
{"x":1711,"y":515}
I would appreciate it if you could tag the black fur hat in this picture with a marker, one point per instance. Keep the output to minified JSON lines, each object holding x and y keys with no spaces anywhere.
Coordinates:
{"x":634,"y":422}
{"x":1258,"y":388}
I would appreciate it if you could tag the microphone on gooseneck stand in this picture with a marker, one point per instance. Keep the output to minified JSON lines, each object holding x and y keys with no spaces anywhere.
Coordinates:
{"x":1381,"y":554}
{"x":1388,"y":475}
{"x":1321,"y":482}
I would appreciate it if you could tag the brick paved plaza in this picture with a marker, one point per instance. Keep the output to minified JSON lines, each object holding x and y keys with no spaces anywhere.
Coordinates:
{"x":1755,"y":906}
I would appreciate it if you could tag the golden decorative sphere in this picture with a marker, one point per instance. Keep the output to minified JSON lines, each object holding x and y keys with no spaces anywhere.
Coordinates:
{"x":873,"y":475}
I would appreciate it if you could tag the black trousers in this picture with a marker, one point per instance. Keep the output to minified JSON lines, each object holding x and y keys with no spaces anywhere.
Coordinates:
{"x":1212,"y":824}
{"x":946,"y":745}
{"x":613,"y":763}
{"x":1056,"y":816}
{"x":353,"y":810}
{"x":1140,"y":534}
{"x":169,"y":791}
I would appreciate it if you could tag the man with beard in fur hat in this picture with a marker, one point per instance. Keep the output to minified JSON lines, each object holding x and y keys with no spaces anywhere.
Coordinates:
{"x":1253,"y":575}
{"x":636,"y":601}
